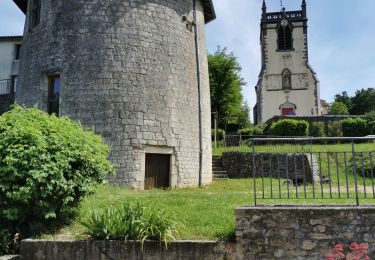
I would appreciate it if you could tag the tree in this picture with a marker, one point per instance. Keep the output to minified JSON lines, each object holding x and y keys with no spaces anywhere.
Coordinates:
{"x":363,"y":101}
{"x":226,"y":85}
{"x":344,"y":98}
{"x":338,"y":108}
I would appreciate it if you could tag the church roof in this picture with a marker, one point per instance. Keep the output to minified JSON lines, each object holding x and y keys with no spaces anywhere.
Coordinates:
{"x":209,"y":11}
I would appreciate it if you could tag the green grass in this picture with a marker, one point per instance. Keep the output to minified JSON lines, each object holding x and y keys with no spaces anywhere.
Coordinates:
{"x":291,"y":148}
{"x":205,"y":213}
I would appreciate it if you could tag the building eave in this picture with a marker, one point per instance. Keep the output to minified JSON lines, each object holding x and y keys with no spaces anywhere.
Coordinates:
{"x":209,"y":11}
{"x":10,"y":38}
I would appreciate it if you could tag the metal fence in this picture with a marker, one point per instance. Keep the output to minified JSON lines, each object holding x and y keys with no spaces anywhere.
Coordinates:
{"x":340,"y":170}
{"x":5,"y":87}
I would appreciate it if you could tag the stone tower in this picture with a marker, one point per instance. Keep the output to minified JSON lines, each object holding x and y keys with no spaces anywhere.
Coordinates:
{"x":135,"y":71}
{"x":287,"y":84}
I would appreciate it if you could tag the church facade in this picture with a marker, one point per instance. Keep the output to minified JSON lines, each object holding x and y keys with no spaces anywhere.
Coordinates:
{"x":287,"y":84}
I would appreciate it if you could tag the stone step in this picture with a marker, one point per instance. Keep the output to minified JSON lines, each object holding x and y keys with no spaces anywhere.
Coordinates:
{"x":217,"y":176}
{"x":217,"y":168}
{"x":219,"y":172}
{"x":217,"y":165}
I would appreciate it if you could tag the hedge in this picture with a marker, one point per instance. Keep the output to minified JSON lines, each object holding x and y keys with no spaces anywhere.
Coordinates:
{"x":289,"y":127}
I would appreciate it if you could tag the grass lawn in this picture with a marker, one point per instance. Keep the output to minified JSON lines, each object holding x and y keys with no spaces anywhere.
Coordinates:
{"x":206,"y":213}
{"x":291,"y":148}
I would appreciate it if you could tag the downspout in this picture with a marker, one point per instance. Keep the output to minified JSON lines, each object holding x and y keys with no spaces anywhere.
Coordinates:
{"x":199,"y":91}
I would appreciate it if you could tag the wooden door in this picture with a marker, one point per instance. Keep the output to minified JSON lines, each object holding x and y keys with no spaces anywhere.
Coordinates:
{"x":287,"y":111}
{"x":157,"y":171}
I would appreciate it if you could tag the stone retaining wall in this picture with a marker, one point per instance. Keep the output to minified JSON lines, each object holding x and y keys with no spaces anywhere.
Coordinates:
{"x":301,"y":232}
{"x":240,"y":165}
{"x":99,"y":250}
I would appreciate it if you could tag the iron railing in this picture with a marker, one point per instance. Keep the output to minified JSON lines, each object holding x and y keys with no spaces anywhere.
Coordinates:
{"x":340,"y":170}
{"x":6,"y":87}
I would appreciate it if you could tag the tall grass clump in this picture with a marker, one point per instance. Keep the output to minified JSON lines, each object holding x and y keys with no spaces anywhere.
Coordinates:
{"x":131,"y":222}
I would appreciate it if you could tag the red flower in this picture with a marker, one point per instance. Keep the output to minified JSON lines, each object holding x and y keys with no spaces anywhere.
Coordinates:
{"x":367,"y":257}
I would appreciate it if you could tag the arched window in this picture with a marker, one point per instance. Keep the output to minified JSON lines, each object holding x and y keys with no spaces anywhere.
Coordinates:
{"x":287,"y":79}
{"x":284,"y":34}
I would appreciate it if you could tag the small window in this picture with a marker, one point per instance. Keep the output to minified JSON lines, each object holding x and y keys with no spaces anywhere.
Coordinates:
{"x":18,"y":52}
{"x":54,"y":94}
{"x":35,"y":13}
{"x":285,"y":39}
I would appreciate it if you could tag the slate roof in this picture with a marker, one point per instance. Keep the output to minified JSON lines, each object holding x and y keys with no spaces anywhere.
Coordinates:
{"x":209,"y":11}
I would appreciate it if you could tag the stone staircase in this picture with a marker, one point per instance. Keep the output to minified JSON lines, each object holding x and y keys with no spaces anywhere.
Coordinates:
{"x":217,"y":169}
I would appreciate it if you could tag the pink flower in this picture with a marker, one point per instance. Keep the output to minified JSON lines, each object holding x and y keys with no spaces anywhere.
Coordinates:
{"x":363,"y":248}
{"x":338,"y":248}
{"x":340,"y":255}
{"x":354,"y":247}
{"x":330,"y":256}
{"x":367,"y":257}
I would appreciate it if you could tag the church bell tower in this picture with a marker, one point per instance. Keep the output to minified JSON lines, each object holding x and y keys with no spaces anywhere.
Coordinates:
{"x":287,"y":84}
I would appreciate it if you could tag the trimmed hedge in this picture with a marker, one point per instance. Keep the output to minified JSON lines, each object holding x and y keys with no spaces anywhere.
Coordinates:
{"x":355,"y":127}
{"x":290,"y":127}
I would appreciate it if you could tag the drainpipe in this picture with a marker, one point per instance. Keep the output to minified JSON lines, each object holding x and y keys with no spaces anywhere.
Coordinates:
{"x":199,"y":91}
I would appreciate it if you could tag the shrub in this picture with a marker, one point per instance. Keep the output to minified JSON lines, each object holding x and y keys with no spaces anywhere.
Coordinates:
{"x":220,"y":134}
{"x":259,"y":129}
{"x":289,"y":127}
{"x":355,"y":127}
{"x":370,"y":118}
{"x":131,"y":222}
{"x":246,"y":131}
{"x":48,"y":165}
{"x":366,"y":169}
{"x":338,"y":108}
{"x":335,"y":129}
{"x":317,"y":129}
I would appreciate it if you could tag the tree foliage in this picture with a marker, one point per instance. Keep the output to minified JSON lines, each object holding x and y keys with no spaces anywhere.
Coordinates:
{"x":47,"y":166}
{"x":361,"y":103}
{"x":226,"y":85}
{"x":338,"y":108}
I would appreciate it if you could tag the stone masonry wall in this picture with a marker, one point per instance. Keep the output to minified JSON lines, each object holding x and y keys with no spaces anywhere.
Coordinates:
{"x":98,"y":250}
{"x":301,"y":232}
{"x":5,"y":102}
{"x":240,"y":165}
{"x":128,"y":71}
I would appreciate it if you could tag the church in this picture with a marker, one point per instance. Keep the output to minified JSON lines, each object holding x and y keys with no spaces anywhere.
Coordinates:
{"x":287,"y":84}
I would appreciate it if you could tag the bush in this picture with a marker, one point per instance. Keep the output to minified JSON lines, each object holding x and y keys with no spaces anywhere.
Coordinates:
{"x":131,"y":222}
{"x":370,"y":118}
{"x":335,"y":129}
{"x":338,"y":108}
{"x":289,"y":127}
{"x":355,"y":127}
{"x":259,"y":129}
{"x":317,"y":129}
{"x":246,"y":131}
{"x":48,"y":165}
{"x":220,"y":134}
{"x":368,"y":166}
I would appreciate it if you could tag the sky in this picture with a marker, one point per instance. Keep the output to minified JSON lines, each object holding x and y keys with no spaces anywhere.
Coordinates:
{"x":341,"y":37}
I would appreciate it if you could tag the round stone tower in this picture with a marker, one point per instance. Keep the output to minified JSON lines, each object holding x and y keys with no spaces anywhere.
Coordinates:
{"x":135,"y":71}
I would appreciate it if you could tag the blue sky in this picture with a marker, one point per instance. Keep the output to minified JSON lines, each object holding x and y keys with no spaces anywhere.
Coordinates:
{"x":341,"y":39}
